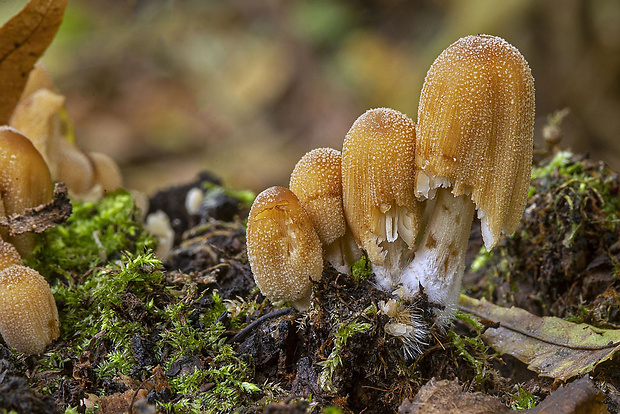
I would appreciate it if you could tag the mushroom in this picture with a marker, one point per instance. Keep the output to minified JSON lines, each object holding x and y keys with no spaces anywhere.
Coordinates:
{"x":25,"y":182}
{"x":28,"y":313}
{"x":283,"y":248}
{"x":473,"y":150}
{"x":378,"y":190}
{"x":317,"y":182}
{"x":41,"y":116}
{"x":107,"y":174}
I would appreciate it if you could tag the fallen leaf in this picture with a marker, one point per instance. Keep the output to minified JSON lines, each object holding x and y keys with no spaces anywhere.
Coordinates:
{"x":23,"y":39}
{"x":447,"y":397}
{"x":578,"y":397}
{"x":552,"y":347}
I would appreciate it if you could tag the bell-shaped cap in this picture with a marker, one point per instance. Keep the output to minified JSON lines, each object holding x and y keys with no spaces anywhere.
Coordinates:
{"x":25,"y":181}
{"x":317,"y":183}
{"x":284,"y":250}
{"x":378,"y":184}
{"x":28,"y":313}
{"x":475,"y":128}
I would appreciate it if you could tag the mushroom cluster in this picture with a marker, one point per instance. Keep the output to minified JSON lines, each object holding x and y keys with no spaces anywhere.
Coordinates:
{"x":405,"y":194}
{"x":41,"y":116}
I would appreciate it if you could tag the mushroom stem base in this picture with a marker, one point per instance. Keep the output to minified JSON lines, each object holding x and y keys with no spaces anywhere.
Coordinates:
{"x":439,"y":261}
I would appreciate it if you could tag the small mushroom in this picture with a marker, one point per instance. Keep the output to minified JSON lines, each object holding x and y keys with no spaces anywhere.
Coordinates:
{"x":283,"y":248}
{"x":107,"y":174}
{"x":41,"y":116}
{"x":473,"y":150}
{"x":317,"y":182}
{"x":378,"y":190}
{"x":28,"y":313}
{"x":25,"y":182}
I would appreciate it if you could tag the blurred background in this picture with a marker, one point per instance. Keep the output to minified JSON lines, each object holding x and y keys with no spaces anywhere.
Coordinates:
{"x":244,"y":88}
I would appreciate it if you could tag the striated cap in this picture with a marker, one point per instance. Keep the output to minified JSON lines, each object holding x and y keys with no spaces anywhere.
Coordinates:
{"x":475,"y":129}
{"x":317,"y":183}
{"x":283,"y":248}
{"x":28,"y":313}
{"x":378,"y":182}
{"x":25,"y":181}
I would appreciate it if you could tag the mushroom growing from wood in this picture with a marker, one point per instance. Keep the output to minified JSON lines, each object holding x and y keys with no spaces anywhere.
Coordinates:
{"x":317,"y":182}
{"x":283,"y":248}
{"x":28,"y":313}
{"x":473,"y":150}
{"x":378,"y":190}
{"x":25,"y":182}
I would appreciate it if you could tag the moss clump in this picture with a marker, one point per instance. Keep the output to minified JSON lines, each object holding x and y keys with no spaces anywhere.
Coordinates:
{"x":125,"y":327}
{"x":95,"y":233}
{"x":565,"y":252}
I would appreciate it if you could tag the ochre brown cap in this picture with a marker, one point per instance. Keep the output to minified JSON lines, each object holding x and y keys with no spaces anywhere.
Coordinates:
{"x":378,"y":181}
{"x":283,"y":248}
{"x":25,"y":181}
{"x":317,"y":183}
{"x":475,"y":128}
{"x":28,"y":313}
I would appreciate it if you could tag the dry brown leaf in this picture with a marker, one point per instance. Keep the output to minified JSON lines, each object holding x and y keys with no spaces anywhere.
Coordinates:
{"x":552,"y":347}
{"x":447,"y":397}
{"x":23,"y":39}
{"x":578,"y":397}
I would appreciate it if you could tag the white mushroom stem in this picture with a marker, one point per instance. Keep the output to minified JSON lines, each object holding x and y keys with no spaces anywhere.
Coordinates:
{"x":439,"y":261}
{"x":343,"y":252}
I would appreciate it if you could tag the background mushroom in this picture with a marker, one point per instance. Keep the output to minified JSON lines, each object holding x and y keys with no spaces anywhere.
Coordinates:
{"x":317,"y":182}
{"x":41,"y":116}
{"x":378,"y":190}
{"x":473,"y":147}
{"x":283,"y":248}
{"x":25,"y":182}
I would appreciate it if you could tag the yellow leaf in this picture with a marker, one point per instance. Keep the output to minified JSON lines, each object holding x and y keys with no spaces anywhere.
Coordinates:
{"x":23,"y":39}
{"x":551,"y":347}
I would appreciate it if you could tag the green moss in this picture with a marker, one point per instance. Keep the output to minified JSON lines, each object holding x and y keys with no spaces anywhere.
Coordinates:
{"x":522,"y":399}
{"x":334,"y":360}
{"x":361,"y":269}
{"x":94,"y":234}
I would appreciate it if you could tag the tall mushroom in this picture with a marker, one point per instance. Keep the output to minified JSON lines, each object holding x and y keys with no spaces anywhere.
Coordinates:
{"x":473,"y":150}
{"x":316,"y":181}
{"x":378,"y":190}
{"x":283,"y":248}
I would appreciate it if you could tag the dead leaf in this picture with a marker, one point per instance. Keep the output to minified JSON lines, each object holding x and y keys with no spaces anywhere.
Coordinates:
{"x":578,"y":397}
{"x":552,"y":347}
{"x":23,"y":39}
{"x":447,"y":397}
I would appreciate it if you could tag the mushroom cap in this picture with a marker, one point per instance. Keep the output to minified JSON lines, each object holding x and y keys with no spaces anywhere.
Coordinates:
{"x":107,"y":173}
{"x":475,"y":129}
{"x":75,"y":168}
{"x":28,"y":313}
{"x":37,"y":117}
{"x":378,"y":181}
{"x":316,"y":181}
{"x":9,"y":255}
{"x":284,"y":250}
{"x":25,"y":181}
